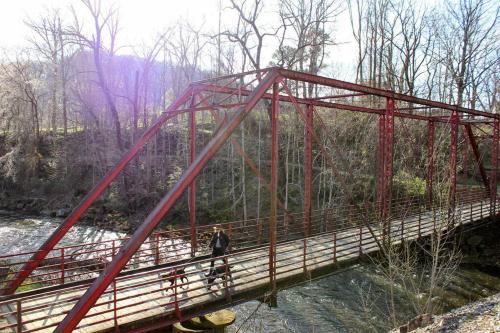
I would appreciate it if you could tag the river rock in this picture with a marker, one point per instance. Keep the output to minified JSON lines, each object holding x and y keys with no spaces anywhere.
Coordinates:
{"x":417,"y":322}
{"x":46,"y":212}
{"x":63,"y":212}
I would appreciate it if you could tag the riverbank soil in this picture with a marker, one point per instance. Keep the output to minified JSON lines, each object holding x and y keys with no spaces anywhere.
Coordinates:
{"x":480,"y":316}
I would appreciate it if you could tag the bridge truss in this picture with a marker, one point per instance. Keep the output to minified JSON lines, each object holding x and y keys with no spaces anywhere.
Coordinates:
{"x":229,"y":99}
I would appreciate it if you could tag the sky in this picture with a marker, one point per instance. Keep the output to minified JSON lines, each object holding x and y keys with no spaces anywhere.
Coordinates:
{"x":142,"y":20}
{"x":139,"y":18}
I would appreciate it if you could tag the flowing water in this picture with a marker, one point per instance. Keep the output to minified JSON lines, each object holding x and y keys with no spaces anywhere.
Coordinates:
{"x":353,"y":301}
{"x":348,"y":301}
{"x":22,"y":234}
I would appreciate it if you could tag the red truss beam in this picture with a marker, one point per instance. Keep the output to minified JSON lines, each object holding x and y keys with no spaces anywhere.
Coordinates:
{"x":336,"y":96}
{"x":325,"y":81}
{"x":477,"y":156}
{"x":130,"y":246}
{"x":235,"y":77}
{"x":245,"y":92}
{"x":331,"y":105}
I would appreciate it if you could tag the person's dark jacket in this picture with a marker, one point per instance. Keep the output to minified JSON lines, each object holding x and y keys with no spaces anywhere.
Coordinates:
{"x":224,"y":240}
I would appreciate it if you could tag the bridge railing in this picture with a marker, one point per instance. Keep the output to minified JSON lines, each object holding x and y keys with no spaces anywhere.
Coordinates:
{"x":162,"y":291}
{"x":85,"y":261}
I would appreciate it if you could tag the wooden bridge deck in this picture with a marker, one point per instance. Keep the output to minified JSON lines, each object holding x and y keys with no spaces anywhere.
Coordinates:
{"x":145,"y":296}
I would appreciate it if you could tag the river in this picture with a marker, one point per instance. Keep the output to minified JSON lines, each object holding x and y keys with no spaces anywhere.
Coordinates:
{"x":22,"y":234}
{"x":352,"y":300}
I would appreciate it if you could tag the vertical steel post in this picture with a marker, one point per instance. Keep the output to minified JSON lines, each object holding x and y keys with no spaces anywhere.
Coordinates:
{"x":380,"y":164}
{"x":115,"y":317}
{"x":19,"y":316}
{"x":388,"y":156}
{"x":430,"y":163}
{"x":334,"y":247}
{"x":226,"y":280}
{"x":465,"y":175}
{"x":494,"y":166}
{"x":453,"y":164}
{"x":307,"y":177}
{"x":402,"y":228}
{"x":157,"y":249}
{"x":324,"y":221}
{"x":360,"y":253}
{"x":471,"y":211}
{"x":192,"y":187}
{"x":259,"y":231}
{"x":115,"y":314}
{"x":230,"y":235}
{"x":419,"y":221}
{"x":308,"y":169}
{"x":178,"y":312}
{"x":62,"y":265}
{"x":274,"y":193}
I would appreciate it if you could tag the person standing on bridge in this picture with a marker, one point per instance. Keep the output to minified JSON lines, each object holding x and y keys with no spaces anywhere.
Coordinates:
{"x":219,"y":244}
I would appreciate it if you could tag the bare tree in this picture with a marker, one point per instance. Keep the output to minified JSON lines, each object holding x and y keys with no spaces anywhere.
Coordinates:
{"x":46,"y":41}
{"x":106,"y":27}
{"x":412,"y":45}
{"x":247,"y":33}
{"x":21,"y":99}
{"x":304,"y":24}
{"x":356,"y":18}
{"x":466,"y":37}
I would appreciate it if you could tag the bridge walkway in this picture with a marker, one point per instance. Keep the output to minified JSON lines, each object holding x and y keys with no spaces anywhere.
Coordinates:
{"x":144,"y":297}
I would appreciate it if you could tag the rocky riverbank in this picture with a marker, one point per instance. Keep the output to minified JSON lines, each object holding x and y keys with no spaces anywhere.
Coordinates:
{"x":99,"y":215}
{"x":479,"y":248}
{"x":480,"y":316}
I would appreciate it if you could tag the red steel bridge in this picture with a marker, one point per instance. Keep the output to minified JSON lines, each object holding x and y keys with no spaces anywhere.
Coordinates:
{"x":125,"y":284}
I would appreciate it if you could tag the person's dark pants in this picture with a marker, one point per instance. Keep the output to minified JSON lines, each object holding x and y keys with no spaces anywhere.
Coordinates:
{"x":216,"y":253}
